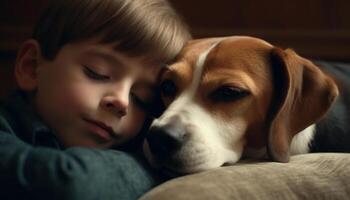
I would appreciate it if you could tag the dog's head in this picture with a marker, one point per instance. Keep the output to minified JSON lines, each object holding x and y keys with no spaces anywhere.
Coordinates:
{"x":227,"y":95}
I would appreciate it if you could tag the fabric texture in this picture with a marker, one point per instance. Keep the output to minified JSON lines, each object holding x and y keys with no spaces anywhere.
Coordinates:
{"x":34,"y":165}
{"x":309,"y":176}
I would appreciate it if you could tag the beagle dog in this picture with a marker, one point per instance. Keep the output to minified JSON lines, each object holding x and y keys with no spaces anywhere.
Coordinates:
{"x":240,"y":97}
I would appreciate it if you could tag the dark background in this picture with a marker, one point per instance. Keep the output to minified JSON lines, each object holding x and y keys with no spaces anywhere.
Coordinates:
{"x":314,"y":28}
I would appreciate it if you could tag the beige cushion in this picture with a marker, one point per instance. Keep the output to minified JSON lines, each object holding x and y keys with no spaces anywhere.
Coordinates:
{"x":308,"y":176}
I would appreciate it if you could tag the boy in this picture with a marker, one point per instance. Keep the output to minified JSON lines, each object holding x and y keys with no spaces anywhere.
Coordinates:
{"x":86,"y":81}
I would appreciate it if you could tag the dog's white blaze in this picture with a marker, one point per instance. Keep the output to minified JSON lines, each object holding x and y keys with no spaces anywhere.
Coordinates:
{"x":199,"y":68}
{"x":300,"y":142}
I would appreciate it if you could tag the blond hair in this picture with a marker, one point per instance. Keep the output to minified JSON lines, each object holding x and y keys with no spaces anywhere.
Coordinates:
{"x":149,"y":28}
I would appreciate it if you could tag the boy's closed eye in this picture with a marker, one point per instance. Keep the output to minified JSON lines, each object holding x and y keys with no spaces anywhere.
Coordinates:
{"x":92,"y":74}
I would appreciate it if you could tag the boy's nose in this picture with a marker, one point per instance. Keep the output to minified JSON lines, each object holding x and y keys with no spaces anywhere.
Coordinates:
{"x":118,"y":104}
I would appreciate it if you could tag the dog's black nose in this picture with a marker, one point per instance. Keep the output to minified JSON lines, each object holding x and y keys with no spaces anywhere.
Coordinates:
{"x":164,"y":141}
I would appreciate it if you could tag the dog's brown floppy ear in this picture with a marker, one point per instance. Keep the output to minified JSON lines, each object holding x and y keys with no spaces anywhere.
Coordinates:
{"x":304,"y":94}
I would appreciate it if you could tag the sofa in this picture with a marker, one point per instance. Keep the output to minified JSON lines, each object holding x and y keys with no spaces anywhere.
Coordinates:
{"x":308,"y":176}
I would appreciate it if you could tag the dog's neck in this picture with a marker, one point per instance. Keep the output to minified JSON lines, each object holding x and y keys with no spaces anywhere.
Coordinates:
{"x":301,"y":141}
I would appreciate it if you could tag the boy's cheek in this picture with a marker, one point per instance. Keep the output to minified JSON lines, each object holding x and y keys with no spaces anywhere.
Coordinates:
{"x":79,"y":96}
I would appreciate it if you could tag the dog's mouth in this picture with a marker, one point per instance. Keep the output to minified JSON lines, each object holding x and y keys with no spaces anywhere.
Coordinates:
{"x":182,"y":162}
{"x":172,"y":171}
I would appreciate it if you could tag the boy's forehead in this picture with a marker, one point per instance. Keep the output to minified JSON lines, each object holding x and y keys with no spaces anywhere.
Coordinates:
{"x":110,"y":52}
{"x":116,"y":47}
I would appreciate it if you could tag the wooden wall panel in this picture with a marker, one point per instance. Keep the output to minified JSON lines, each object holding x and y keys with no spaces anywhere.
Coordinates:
{"x":17,"y":18}
{"x":314,"y":28}
{"x":310,"y":26}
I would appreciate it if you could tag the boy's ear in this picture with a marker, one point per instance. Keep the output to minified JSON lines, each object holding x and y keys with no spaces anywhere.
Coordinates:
{"x":27,"y":61}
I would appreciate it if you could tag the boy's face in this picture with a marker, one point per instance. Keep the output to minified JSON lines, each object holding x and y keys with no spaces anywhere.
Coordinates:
{"x":93,"y":96}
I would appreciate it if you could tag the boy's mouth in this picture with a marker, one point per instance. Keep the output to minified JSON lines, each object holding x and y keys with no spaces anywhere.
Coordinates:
{"x":101,"y":129}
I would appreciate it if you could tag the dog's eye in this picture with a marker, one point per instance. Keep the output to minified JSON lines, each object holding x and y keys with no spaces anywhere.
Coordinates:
{"x":168,"y":88}
{"x":227,"y":94}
